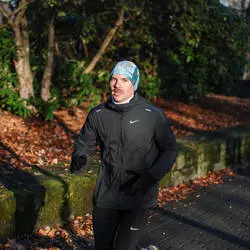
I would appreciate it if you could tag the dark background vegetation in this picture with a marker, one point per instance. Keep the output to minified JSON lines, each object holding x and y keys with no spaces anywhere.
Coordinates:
{"x":185,"y":49}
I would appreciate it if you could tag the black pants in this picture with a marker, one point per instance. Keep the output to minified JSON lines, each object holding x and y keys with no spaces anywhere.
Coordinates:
{"x":118,"y":229}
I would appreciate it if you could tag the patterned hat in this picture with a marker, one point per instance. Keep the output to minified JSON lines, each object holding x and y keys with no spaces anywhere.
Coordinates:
{"x":129,"y":70}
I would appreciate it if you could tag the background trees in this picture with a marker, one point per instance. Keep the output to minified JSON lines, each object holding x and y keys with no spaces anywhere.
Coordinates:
{"x":58,"y":52}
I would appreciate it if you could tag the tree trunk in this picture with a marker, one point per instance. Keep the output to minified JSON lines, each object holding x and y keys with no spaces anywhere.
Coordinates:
{"x":22,"y":65}
{"x":47,"y":74}
{"x":1,"y":19}
{"x":25,"y":78}
{"x":108,"y":38}
{"x":246,"y":75}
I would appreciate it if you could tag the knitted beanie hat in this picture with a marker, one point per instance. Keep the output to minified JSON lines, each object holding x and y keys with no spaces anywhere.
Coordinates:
{"x":129,"y":70}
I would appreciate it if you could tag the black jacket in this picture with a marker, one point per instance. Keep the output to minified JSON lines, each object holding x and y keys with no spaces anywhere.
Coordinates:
{"x":137,"y":148}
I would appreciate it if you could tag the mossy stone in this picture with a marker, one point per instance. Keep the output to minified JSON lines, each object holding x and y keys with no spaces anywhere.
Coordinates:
{"x":7,"y":214}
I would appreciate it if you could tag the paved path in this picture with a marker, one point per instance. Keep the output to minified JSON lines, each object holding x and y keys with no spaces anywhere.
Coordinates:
{"x":215,"y":217}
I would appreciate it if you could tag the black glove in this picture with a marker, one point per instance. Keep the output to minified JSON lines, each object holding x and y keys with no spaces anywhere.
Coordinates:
{"x":138,"y":183}
{"x":78,"y":164}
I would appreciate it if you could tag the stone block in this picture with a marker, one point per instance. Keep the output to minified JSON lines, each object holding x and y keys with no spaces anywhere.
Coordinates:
{"x":7,"y":214}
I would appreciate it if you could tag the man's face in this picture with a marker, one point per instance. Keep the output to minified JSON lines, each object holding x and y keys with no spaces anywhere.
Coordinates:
{"x":121,"y":88}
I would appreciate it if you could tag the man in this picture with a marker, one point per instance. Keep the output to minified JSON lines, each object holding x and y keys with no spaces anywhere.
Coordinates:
{"x":137,"y":149}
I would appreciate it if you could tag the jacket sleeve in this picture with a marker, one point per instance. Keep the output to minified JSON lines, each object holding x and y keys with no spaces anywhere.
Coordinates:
{"x":85,"y":144}
{"x":166,"y":143}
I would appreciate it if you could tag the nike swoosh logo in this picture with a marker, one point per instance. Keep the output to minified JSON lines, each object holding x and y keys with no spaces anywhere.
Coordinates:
{"x":134,"y":228}
{"x":131,"y":122}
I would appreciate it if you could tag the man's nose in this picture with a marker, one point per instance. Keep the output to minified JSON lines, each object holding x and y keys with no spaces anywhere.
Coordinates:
{"x":118,"y":83}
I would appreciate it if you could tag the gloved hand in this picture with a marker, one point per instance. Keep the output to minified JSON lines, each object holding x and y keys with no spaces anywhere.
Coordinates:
{"x":78,"y":164}
{"x":138,"y":183}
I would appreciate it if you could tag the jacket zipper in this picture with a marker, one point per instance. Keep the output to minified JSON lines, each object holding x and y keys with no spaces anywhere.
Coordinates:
{"x":121,"y":152}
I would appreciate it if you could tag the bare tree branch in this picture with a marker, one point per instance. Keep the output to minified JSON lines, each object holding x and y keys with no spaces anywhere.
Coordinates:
{"x":106,"y":42}
{"x":3,"y":11}
{"x":23,"y":5}
{"x":19,"y":12}
{"x":85,"y":48}
{"x":20,"y":15}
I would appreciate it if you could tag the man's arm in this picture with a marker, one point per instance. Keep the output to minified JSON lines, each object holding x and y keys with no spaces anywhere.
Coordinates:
{"x":166,"y":142}
{"x":85,"y":144}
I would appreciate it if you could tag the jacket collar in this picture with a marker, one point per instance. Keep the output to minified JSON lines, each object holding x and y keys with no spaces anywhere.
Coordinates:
{"x":122,"y":107}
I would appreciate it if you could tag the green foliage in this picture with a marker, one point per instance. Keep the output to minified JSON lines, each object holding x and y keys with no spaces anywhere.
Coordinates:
{"x":230,"y":46}
{"x":88,"y":31}
{"x":150,"y":86}
{"x":184,"y":49}
{"x":45,"y":109}
{"x":85,"y":90}
{"x":77,"y":87}
{"x":9,"y":98}
{"x":10,"y":101}
{"x":7,"y":46}
{"x":202,"y":49}
{"x":134,"y":40}
{"x":53,"y":3}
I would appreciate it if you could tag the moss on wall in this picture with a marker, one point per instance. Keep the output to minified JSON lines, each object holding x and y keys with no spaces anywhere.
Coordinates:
{"x":7,"y":213}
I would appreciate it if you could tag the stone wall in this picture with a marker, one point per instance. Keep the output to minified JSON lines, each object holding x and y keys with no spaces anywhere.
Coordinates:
{"x":209,"y":151}
{"x":54,"y":198}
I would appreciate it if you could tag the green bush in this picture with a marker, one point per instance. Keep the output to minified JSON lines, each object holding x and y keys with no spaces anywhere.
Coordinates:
{"x":77,"y":87}
{"x":45,"y":109}
{"x":10,"y":101}
{"x":150,"y":86}
{"x":202,"y":48}
{"x":9,"y":97}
